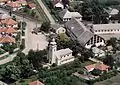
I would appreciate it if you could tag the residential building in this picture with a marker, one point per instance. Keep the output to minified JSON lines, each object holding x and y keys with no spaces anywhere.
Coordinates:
{"x":7,"y":39}
{"x":59,"y":5}
{"x":100,"y":66}
{"x":2,"y":2}
{"x":9,"y":23}
{"x":59,"y":57}
{"x":111,"y":11}
{"x":57,"y":28}
{"x":4,"y":16}
{"x":98,"y":52}
{"x":66,"y":15}
{"x":80,"y":33}
{"x":107,"y":31}
{"x":37,"y":82}
{"x":32,"y":6}
{"x":8,"y":31}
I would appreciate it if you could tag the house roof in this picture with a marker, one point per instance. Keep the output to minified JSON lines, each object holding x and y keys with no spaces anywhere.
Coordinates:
{"x":62,"y":52}
{"x":7,"y":39}
{"x":3,"y":1}
{"x":59,"y":4}
{"x":97,"y":50}
{"x":75,"y":14}
{"x":112,"y":11}
{"x":8,"y":21}
{"x":64,"y":14}
{"x":21,"y":2}
{"x":8,"y":30}
{"x":77,"y":28}
{"x":14,"y":4}
{"x":55,"y":26}
{"x":99,"y":66}
{"x":31,"y":5}
{"x":37,"y":82}
{"x":4,"y":16}
{"x":67,"y":14}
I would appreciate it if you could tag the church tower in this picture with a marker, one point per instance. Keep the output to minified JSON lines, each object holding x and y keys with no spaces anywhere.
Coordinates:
{"x":51,"y":54}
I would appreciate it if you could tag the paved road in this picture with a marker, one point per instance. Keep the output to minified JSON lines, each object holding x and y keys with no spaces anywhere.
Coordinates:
{"x":8,"y":59}
{"x":46,"y":11}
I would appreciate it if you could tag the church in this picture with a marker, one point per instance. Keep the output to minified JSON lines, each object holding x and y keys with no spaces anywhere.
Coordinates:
{"x":59,"y":57}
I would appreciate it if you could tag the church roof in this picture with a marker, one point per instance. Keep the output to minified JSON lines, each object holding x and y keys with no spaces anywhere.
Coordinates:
{"x":62,"y":52}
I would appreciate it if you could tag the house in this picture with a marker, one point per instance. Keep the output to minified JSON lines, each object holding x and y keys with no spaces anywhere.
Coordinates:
{"x":37,"y":82}
{"x":32,"y":6}
{"x":111,"y":11}
{"x":9,"y":23}
{"x":2,"y":2}
{"x":107,"y":31}
{"x":22,"y":2}
{"x":100,"y":66}
{"x":66,"y":15}
{"x":13,"y":6}
{"x":7,"y":39}
{"x":8,"y":31}
{"x":80,"y":33}
{"x":58,"y":4}
{"x":4,"y":16}
{"x":56,"y":28}
{"x":98,"y":52}
{"x":59,"y":57}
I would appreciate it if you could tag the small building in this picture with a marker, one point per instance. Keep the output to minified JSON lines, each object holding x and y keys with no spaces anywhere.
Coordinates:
{"x":100,"y":66}
{"x":59,"y":57}
{"x":66,"y":15}
{"x":37,"y":82}
{"x":58,"y":29}
{"x":4,"y":16}
{"x":59,"y":5}
{"x":80,"y":33}
{"x":7,"y":39}
{"x":9,"y":23}
{"x":98,"y":52}
{"x":2,"y":2}
{"x":32,"y":6}
{"x":13,"y":6}
{"x":111,"y":11}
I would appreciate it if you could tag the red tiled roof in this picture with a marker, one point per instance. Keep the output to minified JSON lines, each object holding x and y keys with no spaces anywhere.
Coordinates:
{"x":31,"y":5}
{"x":8,"y":30}
{"x":7,"y":39}
{"x":37,"y":82}
{"x":14,"y":4}
{"x":8,"y":22}
{"x":99,"y":66}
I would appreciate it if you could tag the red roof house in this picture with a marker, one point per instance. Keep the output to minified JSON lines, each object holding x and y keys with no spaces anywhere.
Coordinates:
{"x":99,"y":66}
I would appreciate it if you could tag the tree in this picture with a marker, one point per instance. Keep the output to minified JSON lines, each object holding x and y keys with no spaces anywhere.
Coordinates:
{"x":45,"y":27}
{"x":109,"y":60}
{"x":37,"y":57}
{"x":14,"y":18}
{"x":96,"y":72}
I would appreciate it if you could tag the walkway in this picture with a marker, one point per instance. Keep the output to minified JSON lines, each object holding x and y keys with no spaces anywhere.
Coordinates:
{"x":46,"y":11}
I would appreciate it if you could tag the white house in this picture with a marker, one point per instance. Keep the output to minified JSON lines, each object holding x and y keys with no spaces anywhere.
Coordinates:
{"x":58,"y":29}
{"x":59,"y":57}
{"x":80,"y":33}
{"x":98,"y":52}
{"x":111,"y":11}
{"x":59,"y":5}
{"x":66,"y":15}
{"x":107,"y":31}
